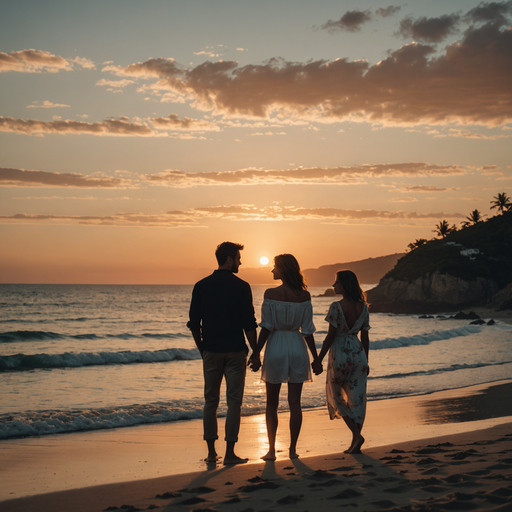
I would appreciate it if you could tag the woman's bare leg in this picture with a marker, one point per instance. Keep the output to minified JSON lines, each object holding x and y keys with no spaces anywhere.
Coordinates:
{"x":357,"y":438}
{"x":294,"y":394}
{"x":271,"y":418}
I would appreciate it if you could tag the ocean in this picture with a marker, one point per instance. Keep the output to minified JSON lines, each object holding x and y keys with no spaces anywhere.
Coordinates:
{"x":88,"y":357}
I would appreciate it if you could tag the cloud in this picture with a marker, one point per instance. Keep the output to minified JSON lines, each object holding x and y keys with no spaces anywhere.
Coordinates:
{"x":430,"y":30}
{"x":114,"y":83}
{"x":28,"y":178}
{"x":194,"y":217}
{"x":84,"y":63}
{"x":39,"y":61}
{"x":109,"y":127}
{"x":208,"y":51}
{"x":173,"y":122}
{"x":468,"y":83}
{"x":493,"y":12}
{"x":466,"y":134}
{"x":426,"y":189}
{"x":250,"y":212}
{"x":165,"y":220}
{"x":302,"y":176}
{"x":59,"y":198}
{"x":47,"y":104}
{"x":351,"y":21}
{"x":388,"y":11}
{"x":149,"y":69}
{"x":403,"y":200}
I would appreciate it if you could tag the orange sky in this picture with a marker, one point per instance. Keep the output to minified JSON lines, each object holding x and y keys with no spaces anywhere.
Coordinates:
{"x":131,"y":145}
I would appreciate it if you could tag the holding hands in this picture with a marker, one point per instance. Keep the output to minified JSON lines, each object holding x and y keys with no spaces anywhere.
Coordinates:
{"x":317,"y":367}
{"x":254,"y":362}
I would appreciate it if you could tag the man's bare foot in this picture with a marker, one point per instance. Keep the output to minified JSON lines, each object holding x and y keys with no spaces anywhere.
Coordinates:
{"x":294,"y":454}
{"x":356,"y":445}
{"x":212,"y":457}
{"x":230,"y":461}
{"x":271,"y":455}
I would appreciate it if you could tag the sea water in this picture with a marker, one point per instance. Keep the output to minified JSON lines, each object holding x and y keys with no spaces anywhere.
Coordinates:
{"x":86,"y":357}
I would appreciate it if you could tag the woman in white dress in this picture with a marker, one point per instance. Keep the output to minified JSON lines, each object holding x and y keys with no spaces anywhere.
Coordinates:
{"x":286,"y":321}
{"x":347,"y":369}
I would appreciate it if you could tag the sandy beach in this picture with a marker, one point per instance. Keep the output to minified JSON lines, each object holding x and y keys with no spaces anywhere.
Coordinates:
{"x":446,"y":450}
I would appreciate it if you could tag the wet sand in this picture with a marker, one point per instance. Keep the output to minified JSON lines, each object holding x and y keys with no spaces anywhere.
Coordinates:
{"x":97,"y":470}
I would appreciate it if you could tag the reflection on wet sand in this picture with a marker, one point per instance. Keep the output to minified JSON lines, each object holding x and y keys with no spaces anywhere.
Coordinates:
{"x":493,"y":402}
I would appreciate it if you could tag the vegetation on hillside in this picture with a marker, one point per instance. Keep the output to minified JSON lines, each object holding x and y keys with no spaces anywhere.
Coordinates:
{"x":492,"y":237}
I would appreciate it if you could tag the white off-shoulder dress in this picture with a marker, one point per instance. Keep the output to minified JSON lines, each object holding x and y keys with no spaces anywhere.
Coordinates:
{"x":286,"y":353}
{"x":347,"y":369}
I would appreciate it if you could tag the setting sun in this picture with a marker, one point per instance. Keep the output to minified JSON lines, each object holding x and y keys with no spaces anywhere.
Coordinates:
{"x":263,"y":260}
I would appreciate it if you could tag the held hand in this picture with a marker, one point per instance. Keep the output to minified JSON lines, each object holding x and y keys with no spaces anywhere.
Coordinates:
{"x":317,"y":367}
{"x":254,"y":362}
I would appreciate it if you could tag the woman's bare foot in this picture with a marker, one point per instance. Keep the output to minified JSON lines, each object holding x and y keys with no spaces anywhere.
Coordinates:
{"x":271,"y":455}
{"x":356,"y":445}
{"x":234,"y":460}
{"x":293,"y":454}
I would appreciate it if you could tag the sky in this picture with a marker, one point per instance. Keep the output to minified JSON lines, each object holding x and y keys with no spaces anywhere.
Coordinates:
{"x":137,"y":136}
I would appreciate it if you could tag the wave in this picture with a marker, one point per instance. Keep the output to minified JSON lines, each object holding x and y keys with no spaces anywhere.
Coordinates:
{"x":424,"y":339}
{"x":435,"y":371}
{"x":18,"y":336}
{"x":58,"y":422}
{"x":23,"y":362}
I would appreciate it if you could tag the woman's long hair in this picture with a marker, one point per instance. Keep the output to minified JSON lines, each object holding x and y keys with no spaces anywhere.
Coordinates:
{"x":351,"y":286}
{"x":290,"y":272}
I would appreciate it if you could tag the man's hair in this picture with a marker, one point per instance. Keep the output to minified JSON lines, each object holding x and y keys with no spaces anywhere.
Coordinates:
{"x":226,"y":249}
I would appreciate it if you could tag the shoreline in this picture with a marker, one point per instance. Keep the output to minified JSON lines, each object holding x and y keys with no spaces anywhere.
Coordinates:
{"x":438,"y":473}
{"x":71,"y":464}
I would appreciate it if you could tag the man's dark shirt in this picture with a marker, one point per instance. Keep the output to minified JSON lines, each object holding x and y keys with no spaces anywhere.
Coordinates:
{"x":222,"y":309}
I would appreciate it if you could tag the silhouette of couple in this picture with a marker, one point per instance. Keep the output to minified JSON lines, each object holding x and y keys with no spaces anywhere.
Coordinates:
{"x":222,"y":317}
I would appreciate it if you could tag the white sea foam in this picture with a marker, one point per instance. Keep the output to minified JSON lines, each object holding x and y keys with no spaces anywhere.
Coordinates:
{"x":71,"y":360}
{"x":424,"y":338}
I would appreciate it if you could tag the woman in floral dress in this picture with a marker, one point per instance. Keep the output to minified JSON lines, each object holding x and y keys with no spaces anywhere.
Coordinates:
{"x":347,"y":369}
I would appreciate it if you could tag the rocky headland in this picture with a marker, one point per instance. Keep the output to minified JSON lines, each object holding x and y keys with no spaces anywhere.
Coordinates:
{"x":443,"y":276}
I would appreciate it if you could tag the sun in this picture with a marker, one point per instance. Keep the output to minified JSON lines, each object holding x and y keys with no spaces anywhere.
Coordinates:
{"x":263,"y":260}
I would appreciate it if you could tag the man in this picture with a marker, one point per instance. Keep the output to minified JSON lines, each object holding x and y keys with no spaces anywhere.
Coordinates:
{"x":220,"y":312}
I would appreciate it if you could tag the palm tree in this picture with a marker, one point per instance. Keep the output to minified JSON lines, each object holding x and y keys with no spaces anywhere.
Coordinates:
{"x":473,"y":218}
{"x":502,"y":202}
{"x":418,"y":243}
{"x":443,"y":229}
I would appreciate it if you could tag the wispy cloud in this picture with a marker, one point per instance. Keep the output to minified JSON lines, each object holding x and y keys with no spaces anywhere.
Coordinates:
{"x":196,"y":217}
{"x":468,"y":83}
{"x":110,"y":127}
{"x":114,"y":83}
{"x":29,"y":178}
{"x":429,"y":30}
{"x":39,"y":61}
{"x":320,"y":175}
{"x":426,"y":189}
{"x":47,"y":104}
{"x":390,"y":10}
{"x":173,"y":122}
{"x":493,"y":12}
{"x":165,"y":220}
{"x":351,"y":21}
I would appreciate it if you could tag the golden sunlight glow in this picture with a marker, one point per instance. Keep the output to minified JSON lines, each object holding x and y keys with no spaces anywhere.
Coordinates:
{"x":263,"y":260}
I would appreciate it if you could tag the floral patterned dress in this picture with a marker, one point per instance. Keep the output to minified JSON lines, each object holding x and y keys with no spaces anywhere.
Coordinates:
{"x":347,"y":367}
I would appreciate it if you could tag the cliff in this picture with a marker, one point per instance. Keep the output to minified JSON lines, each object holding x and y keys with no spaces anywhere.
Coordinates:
{"x":436,"y":277}
{"x":369,"y":271}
